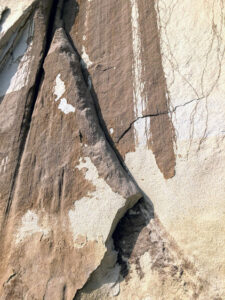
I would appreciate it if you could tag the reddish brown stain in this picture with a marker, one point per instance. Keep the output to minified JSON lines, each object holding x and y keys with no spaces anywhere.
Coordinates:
{"x":162,"y":130}
{"x":107,"y":27}
{"x":108,"y":30}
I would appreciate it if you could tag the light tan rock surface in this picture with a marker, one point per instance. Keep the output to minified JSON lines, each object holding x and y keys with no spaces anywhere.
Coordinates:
{"x":104,"y":103}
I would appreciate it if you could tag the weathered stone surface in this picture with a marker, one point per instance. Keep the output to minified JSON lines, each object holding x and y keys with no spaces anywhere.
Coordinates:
{"x":153,"y":265}
{"x":20,"y":71}
{"x":70,"y":190}
{"x":96,"y":98}
{"x":125,"y":46}
{"x":191,"y":204}
{"x":175,"y":52}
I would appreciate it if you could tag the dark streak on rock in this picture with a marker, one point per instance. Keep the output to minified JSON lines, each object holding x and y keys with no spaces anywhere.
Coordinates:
{"x":162,"y":130}
{"x":10,"y":277}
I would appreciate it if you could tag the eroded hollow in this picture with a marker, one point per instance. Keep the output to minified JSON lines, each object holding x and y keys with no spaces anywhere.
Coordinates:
{"x":4,"y":13}
{"x":127,"y":231}
{"x":115,"y":266}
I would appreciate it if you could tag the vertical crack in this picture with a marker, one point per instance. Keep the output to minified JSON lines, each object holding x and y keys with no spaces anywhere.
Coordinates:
{"x":30,"y":103}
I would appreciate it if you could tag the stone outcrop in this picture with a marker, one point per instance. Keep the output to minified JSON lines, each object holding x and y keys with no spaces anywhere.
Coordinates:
{"x":112,"y":123}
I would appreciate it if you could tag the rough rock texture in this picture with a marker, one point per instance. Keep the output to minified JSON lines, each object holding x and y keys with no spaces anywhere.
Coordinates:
{"x":64,"y":175}
{"x":112,"y":122}
{"x":151,"y":263}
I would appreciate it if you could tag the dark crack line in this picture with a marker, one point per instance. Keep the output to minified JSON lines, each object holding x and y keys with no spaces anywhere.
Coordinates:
{"x":142,"y":117}
{"x":46,"y":288}
{"x":186,"y":103}
{"x":155,"y":115}
{"x":10,"y":277}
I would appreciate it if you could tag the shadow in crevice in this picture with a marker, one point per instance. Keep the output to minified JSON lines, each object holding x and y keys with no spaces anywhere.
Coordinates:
{"x":115,"y":265}
{"x":70,"y":10}
{"x":128,"y":229}
{"x":3,"y":16}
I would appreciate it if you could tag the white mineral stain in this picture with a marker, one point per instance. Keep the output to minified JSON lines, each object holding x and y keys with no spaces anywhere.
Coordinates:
{"x":111,"y":130}
{"x":142,"y":126}
{"x":115,"y":289}
{"x":85,"y":61}
{"x":65,"y":107}
{"x":145,"y":262}
{"x":86,"y":58}
{"x":59,"y":89}
{"x":30,"y":226}
{"x":3,"y":164}
{"x":101,"y":204}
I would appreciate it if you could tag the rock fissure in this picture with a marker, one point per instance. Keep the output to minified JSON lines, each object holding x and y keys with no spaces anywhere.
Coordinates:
{"x":3,"y":14}
{"x":186,"y":103}
{"x":156,"y":115}
{"x":11,"y":277}
{"x":30,"y":104}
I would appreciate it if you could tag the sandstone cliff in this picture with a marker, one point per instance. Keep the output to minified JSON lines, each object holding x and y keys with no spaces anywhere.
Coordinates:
{"x":112,"y":125}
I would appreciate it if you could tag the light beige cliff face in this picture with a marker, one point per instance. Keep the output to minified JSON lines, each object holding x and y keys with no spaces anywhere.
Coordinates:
{"x":13,"y":15}
{"x":15,"y":11}
{"x":191,"y":204}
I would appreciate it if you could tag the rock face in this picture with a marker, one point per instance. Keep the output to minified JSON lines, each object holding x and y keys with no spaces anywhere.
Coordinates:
{"x":112,"y":125}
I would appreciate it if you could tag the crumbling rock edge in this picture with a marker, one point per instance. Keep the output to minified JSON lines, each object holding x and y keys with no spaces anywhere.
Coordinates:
{"x":139,"y":236}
